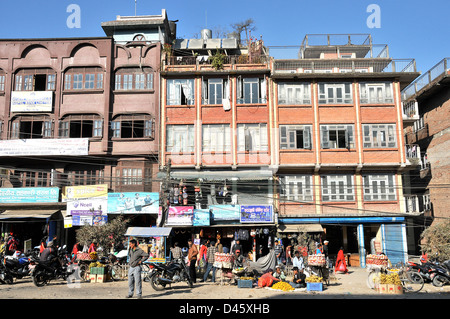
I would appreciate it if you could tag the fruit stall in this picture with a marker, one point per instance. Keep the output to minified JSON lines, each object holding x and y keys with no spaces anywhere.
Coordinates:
{"x":153,"y":240}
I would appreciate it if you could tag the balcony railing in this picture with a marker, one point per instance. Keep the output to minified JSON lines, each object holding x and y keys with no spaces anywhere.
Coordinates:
{"x":344,"y":66}
{"x":228,"y":59}
{"x":410,"y":111}
{"x":441,"y":68}
{"x":413,"y":154}
{"x":417,"y":203}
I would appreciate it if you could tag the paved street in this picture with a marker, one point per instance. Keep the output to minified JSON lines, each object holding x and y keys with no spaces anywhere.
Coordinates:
{"x":347,"y":286}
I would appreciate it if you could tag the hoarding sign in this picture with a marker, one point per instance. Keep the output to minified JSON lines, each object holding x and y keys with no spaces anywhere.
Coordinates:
{"x":256,"y":214}
{"x":133,"y":203}
{"x":31,"y":101}
{"x":202,"y":217}
{"x":83,"y":192}
{"x":180,"y":215}
{"x":44,"y":146}
{"x":225,"y":212}
{"x":29,"y":195}
{"x":90,"y":206}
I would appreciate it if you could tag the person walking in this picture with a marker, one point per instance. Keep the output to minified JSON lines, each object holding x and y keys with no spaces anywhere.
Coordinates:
{"x":136,"y":256}
{"x":192,"y":258}
{"x":212,"y":249}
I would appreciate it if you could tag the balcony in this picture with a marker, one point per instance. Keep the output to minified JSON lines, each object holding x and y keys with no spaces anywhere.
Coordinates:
{"x":417,"y":204}
{"x":413,"y":154}
{"x":410,"y":112}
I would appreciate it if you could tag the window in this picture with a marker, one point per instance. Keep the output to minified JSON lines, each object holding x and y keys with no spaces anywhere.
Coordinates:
{"x":180,"y":92}
{"x":78,"y":175}
{"x":2,"y":82}
{"x":134,"y":79}
{"x":336,"y":188}
{"x":335,"y":93}
{"x":133,"y":126}
{"x":89,"y":78}
{"x":251,"y":90}
{"x":295,"y":137}
{"x":376,"y":93}
{"x":130,"y":176}
{"x":33,"y":177}
{"x":35,"y":80}
{"x":214,"y":91}
{"x":336,"y":136}
{"x":252,"y":137}
{"x":379,"y":187}
{"x":180,"y":138}
{"x":296,"y":188}
{"x":294,"y":93}
{"x":216,"y":138}
{"x":379,"y":135}
{"x":32,"y":126}
{"x":79,"y":126}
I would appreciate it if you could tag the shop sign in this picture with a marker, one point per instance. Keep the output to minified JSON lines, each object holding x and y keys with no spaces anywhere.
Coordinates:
{"x":133,"y":203}
{"x":83,"y":192}
{"x":68,"y":222}
{"x":202,"y":217}
{"x":43,"y":146}
{"x":81,"y":220}
{"x":31,"y":101}
{"x":90,"y":209}
{"x":29,"y":195}
{"x":180,"y":215}
{"x":256,"y":214}
{"x":225,"y":212}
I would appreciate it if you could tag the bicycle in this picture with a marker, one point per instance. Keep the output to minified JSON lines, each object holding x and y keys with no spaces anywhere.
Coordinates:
{"x":411,"y":280}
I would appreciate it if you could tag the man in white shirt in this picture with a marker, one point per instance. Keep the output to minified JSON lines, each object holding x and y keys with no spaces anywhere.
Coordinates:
{"x":297,"y":261}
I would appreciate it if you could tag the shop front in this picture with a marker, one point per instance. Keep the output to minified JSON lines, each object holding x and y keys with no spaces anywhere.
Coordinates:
{"x":358,"y":236}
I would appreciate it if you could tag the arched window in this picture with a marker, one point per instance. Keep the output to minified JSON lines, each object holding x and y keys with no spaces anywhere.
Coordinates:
{"x":134,"y":79}
{"x":83,"y":78}
{"x":81,"y":125}
{"x":41,"y":79}
{"x":132,"y":126}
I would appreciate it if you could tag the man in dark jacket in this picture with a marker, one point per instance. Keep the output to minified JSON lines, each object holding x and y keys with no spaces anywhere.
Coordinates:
{"x":136,"y":256}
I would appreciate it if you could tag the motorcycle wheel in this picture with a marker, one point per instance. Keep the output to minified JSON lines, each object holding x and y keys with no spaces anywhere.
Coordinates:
{"x":154,"y":282}
{"x":438,"y":281}
{"x":40,"y":279}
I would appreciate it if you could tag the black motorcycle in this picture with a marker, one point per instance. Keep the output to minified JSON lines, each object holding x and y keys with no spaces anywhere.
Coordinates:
{"x":14,"y":268}
{"x":169,"y":273}
{"x":424,"y":269}
{"x":57,"y":268}
{"x":441,"y":274}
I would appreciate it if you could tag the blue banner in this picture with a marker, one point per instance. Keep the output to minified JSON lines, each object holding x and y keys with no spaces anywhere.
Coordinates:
{"x":201,"y":217}
{"x":29,"y":195}
{"x":256,"y":214}
{"x":133,"y":203}
{"x":225,"y":212}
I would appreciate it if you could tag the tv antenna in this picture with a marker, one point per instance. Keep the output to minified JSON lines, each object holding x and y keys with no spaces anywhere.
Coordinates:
{"x":135,"y":5}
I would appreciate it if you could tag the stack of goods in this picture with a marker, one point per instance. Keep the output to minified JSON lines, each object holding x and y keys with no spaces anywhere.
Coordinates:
{"x":97,"y":272}
{"x":284,"y":286}
{"x":222,"y":260}
{"x":316,"y":260}
{"x":314,"y":283}
{"x":379,"y":260}
{"x":390,"y":283}
{"x":314,"y":278}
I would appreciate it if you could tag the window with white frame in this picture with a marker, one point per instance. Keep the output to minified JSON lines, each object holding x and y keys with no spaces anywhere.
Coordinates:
{"x":295,"y":137}
{"x":337,"y":188}
{"x":88,"y":78}
{"x":296,"y":188}
{"x":127,"y":79}
{"x":379,"y":135}
{"x":294,"y":93}
{"x":252,"y":137}
{"x":35,"y":80}
{"x":335,"y":93}
{"x":379,"y":187}
{"x":336,"y":136}
{"x":180,"y":92}
{"x":214,"y":91}
{"x":132,"y":126}
{"x":81,"y":125}
{"x":2,"y":82}
{"x":376,"y":93}
{"x":180,"y":138}
{"x":251,"y":90}
{"x":216,"y":138}
{"x":31,"y":127}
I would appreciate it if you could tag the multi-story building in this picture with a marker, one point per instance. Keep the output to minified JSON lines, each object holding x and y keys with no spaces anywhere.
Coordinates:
{"x":339,"y":148}
{"x":80,"y":112}
{"x":426,"y":106}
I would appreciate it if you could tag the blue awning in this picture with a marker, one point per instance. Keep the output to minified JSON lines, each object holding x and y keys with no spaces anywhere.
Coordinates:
{"x":342,"y":220}
{"x":148,"y":231}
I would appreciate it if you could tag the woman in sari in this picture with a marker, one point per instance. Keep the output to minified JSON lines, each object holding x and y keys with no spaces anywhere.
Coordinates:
{"x":340,"y":262}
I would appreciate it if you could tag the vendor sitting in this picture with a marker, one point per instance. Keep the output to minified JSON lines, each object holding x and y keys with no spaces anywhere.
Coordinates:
{"x":279,"y":274}
{"x":239,"y":260}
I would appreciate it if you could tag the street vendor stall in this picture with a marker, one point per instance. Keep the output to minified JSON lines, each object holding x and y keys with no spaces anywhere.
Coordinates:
{"x":153,"y":240}
{"x":224,"y":264}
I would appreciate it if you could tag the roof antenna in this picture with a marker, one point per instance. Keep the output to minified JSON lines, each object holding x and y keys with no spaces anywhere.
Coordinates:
{"x":135,"y":5}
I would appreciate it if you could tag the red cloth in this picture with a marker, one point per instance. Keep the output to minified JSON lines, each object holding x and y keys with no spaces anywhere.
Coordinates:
{"x":266,"y":280}
{"x":340,"y":262}
{"x":92,"y":248}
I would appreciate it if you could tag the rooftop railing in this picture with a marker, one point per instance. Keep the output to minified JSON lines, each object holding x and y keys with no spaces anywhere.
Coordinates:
{"x":228,"y":59}
{"x":442,"y":67}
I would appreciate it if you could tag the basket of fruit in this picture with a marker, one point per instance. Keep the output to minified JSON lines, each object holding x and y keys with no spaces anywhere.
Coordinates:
{"x":314,"y":283}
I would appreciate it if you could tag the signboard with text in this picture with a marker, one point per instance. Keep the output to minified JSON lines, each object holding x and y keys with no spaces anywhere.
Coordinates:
{"x":256,"y":214}
{"x":31,"y":101}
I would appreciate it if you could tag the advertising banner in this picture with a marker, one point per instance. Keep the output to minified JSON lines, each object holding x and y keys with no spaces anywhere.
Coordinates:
{"x":201,"y":217}
{"x":44,"y":146}
{"x":133,"y":203}
{"x":225,"y":212}
{"x":90,"y":206}
{"x":83,"y":192}
{"x":256,"y":214}
{"x":29,"y":195}
{"x":180,"y":215}
{"x":31,"y":101}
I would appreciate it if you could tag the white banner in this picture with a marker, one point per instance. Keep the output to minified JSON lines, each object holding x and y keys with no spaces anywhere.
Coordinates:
{"x":31,"y":101}
{"x":43,"y":146}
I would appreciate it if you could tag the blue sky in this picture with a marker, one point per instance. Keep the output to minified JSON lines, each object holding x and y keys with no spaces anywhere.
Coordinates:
{"x":412,"y":28}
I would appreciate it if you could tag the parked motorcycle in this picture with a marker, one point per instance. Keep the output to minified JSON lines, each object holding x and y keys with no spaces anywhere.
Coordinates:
{"x":441,"y":274}
{"x":14,"y":267}
{"x":424,"y":269}
{"x":169,"y":273}
{"x":44,"y":272}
